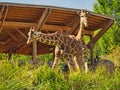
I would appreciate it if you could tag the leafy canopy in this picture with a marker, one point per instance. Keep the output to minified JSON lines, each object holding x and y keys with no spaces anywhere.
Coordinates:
{"x":112,"y":37}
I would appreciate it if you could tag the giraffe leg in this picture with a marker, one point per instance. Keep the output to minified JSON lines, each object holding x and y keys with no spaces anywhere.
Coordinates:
{"x":86,"y":67}
{"x":55,"y":62}
{"x":82,"y":63}
{"x":76,"y":61}
{"x":71,"y":64}
{"x":79,"y":62}
{"x":57,"y":55}
{"x":85,"y":58}
{"x":85,"y":63}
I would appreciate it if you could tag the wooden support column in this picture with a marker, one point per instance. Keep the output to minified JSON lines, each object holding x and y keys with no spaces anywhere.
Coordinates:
{"x":10,"y":52}
{"x":41,"y":22}
{"x":92,"y":52}
{"x":34,"y":52}
{"x":9,"y":55}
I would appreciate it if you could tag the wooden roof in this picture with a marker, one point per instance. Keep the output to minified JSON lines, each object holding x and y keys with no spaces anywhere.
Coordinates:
{"x":16,"y":20}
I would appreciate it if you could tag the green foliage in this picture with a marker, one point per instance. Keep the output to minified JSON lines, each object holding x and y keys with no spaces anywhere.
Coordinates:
{"x":94,"y":81}
{"x":3,"y":56}
{"x":115,"y":56}
{"x":45,"y":57}
{"x":48,"y":79}
{"x":20,"y":57}
{"x":112,"y":37}
{"x":29,"y":77}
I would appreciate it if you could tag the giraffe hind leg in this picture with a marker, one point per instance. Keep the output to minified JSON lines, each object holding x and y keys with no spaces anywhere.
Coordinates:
{"x":76,"y":61}
{"x":71,"y":65}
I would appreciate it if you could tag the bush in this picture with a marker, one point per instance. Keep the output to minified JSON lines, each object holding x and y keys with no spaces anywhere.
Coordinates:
{"x":114,"y":56}
{"x":29,"y":77}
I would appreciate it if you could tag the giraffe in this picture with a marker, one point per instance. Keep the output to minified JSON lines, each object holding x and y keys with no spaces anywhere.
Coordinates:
{"x":79,"y":36}
{"x":83,"y":24}
{"x":66,"y":47}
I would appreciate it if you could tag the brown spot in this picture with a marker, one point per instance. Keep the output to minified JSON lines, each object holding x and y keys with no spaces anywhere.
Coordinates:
{"x":65,"y":56}
{"x":48,"y":38}
{"x":52,"y":42}
{"x":72,"y":45}
{"x":41,"y":40}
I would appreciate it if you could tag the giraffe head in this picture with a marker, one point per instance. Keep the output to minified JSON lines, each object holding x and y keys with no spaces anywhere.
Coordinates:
{"x":83,"y":17}
{"x":32,"y":35}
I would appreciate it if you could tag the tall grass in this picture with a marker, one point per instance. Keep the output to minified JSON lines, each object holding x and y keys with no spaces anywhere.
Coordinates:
{"x":29,"y":77}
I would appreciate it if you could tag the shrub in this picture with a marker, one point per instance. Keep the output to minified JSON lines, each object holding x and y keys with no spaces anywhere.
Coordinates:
{"x":29,"y":77}
{"x":115,"y":56}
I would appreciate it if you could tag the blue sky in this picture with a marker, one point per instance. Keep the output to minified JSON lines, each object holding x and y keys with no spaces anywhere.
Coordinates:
{"x":79,"y":4}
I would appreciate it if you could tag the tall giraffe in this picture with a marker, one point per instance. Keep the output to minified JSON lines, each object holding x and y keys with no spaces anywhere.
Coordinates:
{"x":79,"y":36}
{"x":83,"y":24}
{"x":66,"y":47}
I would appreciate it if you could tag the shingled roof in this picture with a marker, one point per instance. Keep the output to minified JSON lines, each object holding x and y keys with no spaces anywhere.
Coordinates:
{"x":16,"y":20}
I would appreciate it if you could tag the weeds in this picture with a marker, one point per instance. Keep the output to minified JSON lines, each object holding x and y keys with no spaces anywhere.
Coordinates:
{"x":15,"y":77}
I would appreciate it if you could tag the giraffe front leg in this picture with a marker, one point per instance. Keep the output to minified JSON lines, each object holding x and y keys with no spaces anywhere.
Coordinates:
{"x":85,"y":60}
{"x":55,"y":62}
{"x":86,"y":67}
{"x":57,"y":55}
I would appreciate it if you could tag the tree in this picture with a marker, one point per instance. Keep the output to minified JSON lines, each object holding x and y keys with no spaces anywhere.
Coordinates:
{"x":111,"y":38}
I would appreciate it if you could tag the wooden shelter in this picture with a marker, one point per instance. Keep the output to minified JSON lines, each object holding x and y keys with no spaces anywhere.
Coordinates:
{"x":16,"y":20}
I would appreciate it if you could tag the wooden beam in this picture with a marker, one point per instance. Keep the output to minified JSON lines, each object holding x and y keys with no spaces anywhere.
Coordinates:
{"x":11,"y":35}
{"x":1,"y":12}
{"x":75,"y":23}
{"x":43,"y":18}
{"x":5,"y":42}
{"x":18,"y":24}
{"x":20,"y":32}
{"x":73,"y":20}
{"x":85,"y":32}
{"x":101,"y":32}
{"x":55,"y":27}
{"x":88,"y":32}
{"x":4,"y":16}
{"x":45,"y":27}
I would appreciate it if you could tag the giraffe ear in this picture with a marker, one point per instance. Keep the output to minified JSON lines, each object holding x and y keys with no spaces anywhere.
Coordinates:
{"x":88,"y":13}
{"x":32,"y":29}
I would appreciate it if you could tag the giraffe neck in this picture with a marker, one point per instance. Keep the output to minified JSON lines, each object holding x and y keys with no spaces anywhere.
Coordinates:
{"x":79,"y":35}
{"x":50,"y":39}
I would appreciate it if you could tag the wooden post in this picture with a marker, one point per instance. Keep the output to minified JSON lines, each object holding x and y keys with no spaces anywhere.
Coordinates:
{"x":34,"y":52}
{"x":9,"y":55}
{"x":92,"y":52}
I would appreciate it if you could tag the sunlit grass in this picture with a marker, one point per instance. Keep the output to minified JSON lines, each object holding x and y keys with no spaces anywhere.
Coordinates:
{"x":29,"y":77}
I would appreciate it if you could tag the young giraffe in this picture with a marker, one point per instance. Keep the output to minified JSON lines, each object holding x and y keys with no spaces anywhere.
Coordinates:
{"x":83,"y":24}
{"x":66,"y":47}
{"x":79,"y":36}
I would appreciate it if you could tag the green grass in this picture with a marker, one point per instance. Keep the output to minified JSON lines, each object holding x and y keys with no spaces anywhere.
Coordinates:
{"x":29,"y":77}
